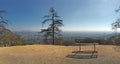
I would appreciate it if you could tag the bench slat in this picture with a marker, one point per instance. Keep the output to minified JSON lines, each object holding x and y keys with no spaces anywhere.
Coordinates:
{"x":87,"y":43}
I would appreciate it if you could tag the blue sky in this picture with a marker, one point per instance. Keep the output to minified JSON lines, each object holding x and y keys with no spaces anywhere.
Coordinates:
{"x":77,"y":15}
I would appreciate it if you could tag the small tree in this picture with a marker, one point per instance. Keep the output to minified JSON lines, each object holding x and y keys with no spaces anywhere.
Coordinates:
{"x":53,"y":30}
{"x":3,"y":22}
{"x":116,"y":25}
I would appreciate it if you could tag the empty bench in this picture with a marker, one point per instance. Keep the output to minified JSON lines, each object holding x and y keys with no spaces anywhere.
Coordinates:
{"x":81,"y":43}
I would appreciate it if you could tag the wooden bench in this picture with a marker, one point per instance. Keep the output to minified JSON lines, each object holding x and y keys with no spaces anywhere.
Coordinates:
{"x":86,"y":43}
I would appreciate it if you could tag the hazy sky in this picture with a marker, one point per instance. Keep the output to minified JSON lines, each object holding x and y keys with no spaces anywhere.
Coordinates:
{"x":78,"y":15}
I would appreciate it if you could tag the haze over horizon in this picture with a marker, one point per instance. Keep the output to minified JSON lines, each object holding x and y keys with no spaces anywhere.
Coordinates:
{"x":77,"y":15}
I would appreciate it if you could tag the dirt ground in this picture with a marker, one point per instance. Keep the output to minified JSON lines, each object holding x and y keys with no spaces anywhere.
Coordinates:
{"x":52,"y":54}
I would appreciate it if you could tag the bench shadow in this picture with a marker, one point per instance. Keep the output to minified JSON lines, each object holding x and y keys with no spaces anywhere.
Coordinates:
{"x":83,"y":55}
{"x":85,"y":52}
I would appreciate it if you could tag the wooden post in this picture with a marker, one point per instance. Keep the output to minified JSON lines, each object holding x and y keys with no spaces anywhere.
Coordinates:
{"x":79,"y":47}
{"x":94,"y":45}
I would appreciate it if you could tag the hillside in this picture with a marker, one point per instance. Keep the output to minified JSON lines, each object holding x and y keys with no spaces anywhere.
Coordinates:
{"x":49,"y":54}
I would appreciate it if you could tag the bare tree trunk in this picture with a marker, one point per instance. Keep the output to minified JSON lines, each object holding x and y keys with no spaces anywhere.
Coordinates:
{"x":53,"y":36}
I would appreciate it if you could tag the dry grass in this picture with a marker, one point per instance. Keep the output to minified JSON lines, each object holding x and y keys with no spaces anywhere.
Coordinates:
{"x":49,"y":54}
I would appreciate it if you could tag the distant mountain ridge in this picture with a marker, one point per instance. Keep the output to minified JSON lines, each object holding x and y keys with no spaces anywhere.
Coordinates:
{"x":67,"y":35}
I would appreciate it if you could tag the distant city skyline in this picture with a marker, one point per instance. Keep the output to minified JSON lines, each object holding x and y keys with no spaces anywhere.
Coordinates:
{"x":77,"y":15}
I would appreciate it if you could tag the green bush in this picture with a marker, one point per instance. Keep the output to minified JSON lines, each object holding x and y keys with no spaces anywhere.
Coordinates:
{"x":67,"y":43}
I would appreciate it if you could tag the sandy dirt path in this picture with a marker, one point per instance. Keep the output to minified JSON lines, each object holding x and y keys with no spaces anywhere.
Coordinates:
{"x":51,"y":54}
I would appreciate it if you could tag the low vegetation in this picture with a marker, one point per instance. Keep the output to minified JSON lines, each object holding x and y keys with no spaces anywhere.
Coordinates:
{"x":8,"y":38}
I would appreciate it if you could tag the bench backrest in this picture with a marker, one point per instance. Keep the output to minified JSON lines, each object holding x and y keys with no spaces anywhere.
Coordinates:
{"x":86,"y":41}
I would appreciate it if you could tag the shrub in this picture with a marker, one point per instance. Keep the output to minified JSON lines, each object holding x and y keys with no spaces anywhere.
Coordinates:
{"x":67,"y":43}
